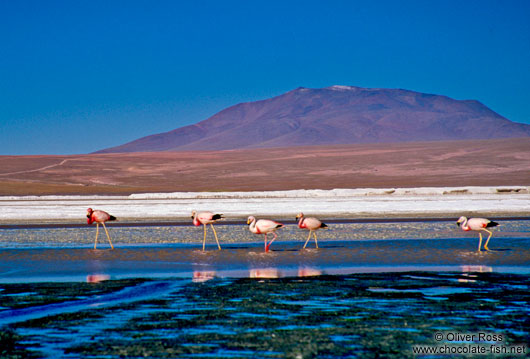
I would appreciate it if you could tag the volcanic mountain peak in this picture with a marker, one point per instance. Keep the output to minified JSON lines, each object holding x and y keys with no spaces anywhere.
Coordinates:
{"x":335,"y":115}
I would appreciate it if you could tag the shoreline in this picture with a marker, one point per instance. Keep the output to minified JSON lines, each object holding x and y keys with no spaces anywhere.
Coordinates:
{"x":181,"y":222}
{"x":350,"y":204}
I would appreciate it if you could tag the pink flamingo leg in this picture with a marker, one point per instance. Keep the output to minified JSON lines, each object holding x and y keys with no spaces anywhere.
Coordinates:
{"x":215,"y":234}
{"x":204,"y":239}
{"x":487,"y":241}
{"x":267,"y":247}
{"x":308,"y":238}
{"x":108,"y":236}
{"x":97,"y":232}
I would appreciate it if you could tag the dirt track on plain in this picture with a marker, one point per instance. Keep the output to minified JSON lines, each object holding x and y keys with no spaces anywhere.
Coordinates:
{"x":433,"y":164}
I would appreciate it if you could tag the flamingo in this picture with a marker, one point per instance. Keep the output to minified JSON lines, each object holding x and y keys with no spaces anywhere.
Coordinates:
{"x":477,"y":224}
{"x":99,"y":217}
{"x":206,"y":218}
{"x":264,"y":226}
{"x":310,"y":223}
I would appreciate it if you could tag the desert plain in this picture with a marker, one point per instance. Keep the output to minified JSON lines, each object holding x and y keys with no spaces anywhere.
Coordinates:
{"x":393,"y":165}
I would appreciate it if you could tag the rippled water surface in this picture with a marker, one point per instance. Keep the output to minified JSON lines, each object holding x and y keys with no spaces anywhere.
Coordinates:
{"x":30,"y":254}
{"x":377,"y":315}
{"x":370,"y":290}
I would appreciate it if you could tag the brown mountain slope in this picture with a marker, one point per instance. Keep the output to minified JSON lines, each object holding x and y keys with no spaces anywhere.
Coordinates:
{"x":335,"y":115}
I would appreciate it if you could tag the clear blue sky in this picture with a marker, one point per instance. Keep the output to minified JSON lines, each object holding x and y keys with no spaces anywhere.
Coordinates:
{"x":79,"y":76}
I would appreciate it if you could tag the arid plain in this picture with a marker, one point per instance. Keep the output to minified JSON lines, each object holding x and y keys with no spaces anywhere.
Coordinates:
{"x":433,"y":164}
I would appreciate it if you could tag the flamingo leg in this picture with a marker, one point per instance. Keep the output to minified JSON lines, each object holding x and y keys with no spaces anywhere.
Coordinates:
{"x":479,"y":240}
{"x":204,"y":239}
{"x":97,"y":232}
{"x":215,"y":234}
{"x":315,"y":235}
{"x":489,"y":237}
{"x":266,"y":246}
{"x":308,"y":238}
{"x":108,"y":236}
{"x":275,"y":236}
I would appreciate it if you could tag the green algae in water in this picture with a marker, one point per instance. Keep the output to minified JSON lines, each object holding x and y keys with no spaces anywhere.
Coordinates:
{"x":317,"y":317}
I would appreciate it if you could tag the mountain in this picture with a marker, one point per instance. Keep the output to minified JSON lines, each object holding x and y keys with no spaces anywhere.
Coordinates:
{"x":335,"y":115}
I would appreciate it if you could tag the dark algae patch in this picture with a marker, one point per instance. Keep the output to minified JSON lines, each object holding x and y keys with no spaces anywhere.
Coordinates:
{"x":380,"y":315}
{"x":11,"y":348}
{"x":22,"y":295}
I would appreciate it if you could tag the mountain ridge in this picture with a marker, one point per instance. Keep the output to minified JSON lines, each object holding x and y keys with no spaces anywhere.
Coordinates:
{"x":334,"y":115}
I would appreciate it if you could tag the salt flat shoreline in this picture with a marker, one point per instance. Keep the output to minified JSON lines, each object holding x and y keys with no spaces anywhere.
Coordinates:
{"x":341,"y":204}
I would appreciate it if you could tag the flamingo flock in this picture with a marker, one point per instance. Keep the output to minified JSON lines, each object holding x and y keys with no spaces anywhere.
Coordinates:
{"x":267,"y":226}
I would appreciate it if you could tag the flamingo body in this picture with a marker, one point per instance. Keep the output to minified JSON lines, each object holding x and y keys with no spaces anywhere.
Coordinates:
{"x":99,"y":216}
{"x":311,"y":224}
{"x":206,"y":218}
{"x":264,"y":226}
{"x":477,"y":224}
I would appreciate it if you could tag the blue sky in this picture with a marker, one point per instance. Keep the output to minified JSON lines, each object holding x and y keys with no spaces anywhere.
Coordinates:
{"x":79,"y":76}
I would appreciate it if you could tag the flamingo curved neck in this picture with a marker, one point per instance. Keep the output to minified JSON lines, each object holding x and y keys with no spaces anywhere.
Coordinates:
{"x":253,"y":227}
{"x":301,"y":223}
{"x":464,"y":226}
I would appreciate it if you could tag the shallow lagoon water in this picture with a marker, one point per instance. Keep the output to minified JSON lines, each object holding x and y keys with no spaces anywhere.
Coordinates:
{"x":370,"y":290}
{"x":372,"y":315}
{"x":67,"y":254}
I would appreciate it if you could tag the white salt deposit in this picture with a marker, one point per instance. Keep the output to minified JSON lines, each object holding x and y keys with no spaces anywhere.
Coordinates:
{"x":348,"y":203}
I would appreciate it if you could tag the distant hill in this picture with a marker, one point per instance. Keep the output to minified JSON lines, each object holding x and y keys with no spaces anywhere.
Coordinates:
{"x":335,"y":115}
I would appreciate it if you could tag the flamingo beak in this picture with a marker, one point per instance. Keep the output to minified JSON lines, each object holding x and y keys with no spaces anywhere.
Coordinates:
{"x":248,"y":221}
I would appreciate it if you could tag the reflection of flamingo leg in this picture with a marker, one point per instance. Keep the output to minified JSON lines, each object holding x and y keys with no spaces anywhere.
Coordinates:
{"x":215,"y":234}
{"x":97,"y":232}
{"x":108,"y":236}
{"x":267,"y":247}
{"x":308,"y":238}
{"x":486,"y":245}
{"x":315,"y":235}
{"x":479,"y":240}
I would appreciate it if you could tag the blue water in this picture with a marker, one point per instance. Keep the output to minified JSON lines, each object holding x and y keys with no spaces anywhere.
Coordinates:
{"x":67,"y":254}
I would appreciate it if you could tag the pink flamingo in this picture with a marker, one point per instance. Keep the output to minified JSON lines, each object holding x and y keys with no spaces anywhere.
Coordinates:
{"x":264,"y":226}
{"x":205,"y":218}
{"x":310,"y":223}
{"x":99,"y":217}
{"x":477,"y":224}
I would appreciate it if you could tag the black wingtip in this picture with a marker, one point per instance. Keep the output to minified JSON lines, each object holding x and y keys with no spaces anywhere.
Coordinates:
{"x":112,"y":218}
{"x":217,"y":216}
{"x":323,"y":225}
{"x":492,"y":224}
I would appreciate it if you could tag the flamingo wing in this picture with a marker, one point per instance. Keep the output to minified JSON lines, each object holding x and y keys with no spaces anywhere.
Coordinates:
{"x":101,"y":216}
{"x":266,"y":225}
{"x":312,"y":223}
{"x":477,"y":223}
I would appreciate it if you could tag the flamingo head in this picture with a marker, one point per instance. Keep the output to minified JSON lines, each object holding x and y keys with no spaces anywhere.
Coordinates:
{"x":250,"y":219}
{"x":89,"y":215}
{"x":299,"y":215}
{"x":460,"y":220}
{"x":193,"y":214}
